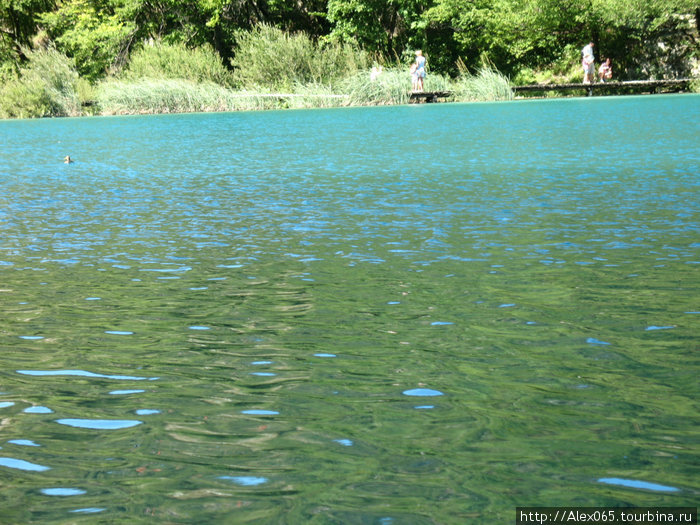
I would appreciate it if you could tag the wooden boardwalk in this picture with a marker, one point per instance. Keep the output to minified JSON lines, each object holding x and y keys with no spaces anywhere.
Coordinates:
{"x":637,"y":86}
{"x":648,"y":86}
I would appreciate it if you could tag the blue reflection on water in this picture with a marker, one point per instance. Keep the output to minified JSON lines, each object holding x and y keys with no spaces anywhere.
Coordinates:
{"x":88,"y":510}
{"x":81,"y":373}
{"x":59,"y":491}
{"x":38,"y":410}
{"x":100,"y":424}
{"x":422,"y":392}
{"x":637,"y":484}
{"x":20,"y":464}
{"x":24,"y":442}
{"x":257,"y":412}
{"x":5,"y":404}
{"x":125,"y":392}
{"x":248,"y":481}
{"x":344,"y":442}
{"x":147,"y":411}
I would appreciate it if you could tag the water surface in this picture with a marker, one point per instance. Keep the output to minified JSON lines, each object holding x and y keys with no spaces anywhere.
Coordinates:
{"x":416,"y":314}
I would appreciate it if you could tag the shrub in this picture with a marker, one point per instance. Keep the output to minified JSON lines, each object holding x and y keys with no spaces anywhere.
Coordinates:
{"x":46,"y":87}
{"x":176,"y":61}
{"x":267,"y":56}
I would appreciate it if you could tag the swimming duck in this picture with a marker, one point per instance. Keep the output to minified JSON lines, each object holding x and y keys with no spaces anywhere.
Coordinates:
{"x":67,"y":160}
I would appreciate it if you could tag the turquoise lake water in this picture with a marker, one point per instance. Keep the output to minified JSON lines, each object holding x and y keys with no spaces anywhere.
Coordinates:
{"x":394,"y":315}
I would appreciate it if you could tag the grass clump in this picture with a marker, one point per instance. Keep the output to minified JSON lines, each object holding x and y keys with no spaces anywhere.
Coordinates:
{"x":46,"y":87}
{"x":486,"y":86}
{"x":159,"y":95}
{"x":145,"y":96}
{"x":391,"y":86}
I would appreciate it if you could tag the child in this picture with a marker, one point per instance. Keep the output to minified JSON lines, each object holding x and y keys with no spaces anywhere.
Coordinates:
{"x":414,"y":76}
{"x":605,"y":71}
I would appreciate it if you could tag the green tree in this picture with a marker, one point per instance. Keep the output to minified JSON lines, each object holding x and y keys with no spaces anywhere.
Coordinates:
{"x":18,"y":25}
{"x":384,"y":26}
{"x":94,"y":32}
{"x":473,"y":31}
{"x":648,"y":37}
{"x":643,"y":37}
{"x":100,"y":34}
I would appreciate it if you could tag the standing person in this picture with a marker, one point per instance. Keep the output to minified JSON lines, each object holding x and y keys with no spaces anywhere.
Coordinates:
{"x":420,"y":69}
{"x":587,"y":63}
{"x":605,"y":71}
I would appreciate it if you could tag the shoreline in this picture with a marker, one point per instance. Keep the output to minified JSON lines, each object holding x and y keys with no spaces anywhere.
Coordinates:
{"x":277,"y":100}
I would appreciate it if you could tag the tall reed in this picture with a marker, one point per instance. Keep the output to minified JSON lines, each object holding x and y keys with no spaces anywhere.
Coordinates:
{"x":118,"y":97}
{"x":487,"y":85}
{"x":392,"y":86}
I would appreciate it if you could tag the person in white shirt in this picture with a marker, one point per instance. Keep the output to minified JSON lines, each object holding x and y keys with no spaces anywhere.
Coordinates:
{"x":587,"y":63}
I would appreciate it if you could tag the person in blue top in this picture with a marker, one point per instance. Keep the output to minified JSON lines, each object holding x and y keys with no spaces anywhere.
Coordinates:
{"x":420,"y":70}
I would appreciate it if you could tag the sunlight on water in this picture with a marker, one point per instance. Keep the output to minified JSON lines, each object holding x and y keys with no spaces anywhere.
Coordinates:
{"x":22,"y":465}
{"x":100,"y":424}
{"x":79,"y":373}
{"x":62,"y":492}
{"x":633,"y":483}
{"x":419,"y":314}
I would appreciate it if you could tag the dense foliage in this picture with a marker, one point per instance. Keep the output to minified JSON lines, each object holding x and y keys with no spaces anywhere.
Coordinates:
{"x":284,"y":44}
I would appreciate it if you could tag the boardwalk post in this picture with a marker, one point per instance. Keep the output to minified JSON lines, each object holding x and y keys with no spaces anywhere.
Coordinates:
{"x":428,"y":96}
